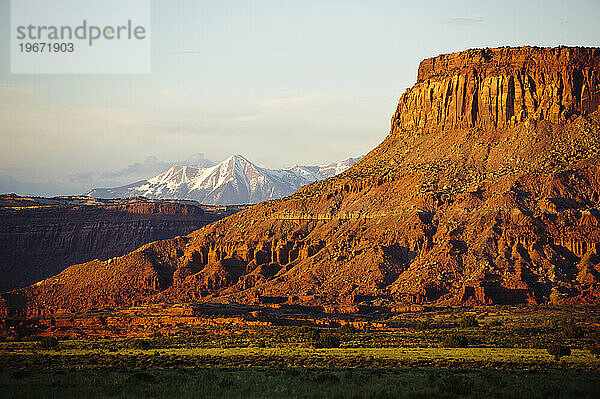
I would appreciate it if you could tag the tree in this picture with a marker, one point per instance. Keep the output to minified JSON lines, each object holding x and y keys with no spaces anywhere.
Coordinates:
{"x":455,"y":341}
{"x":141,"y":344}
{"x":558,"y":350}
{"x":347,"y":329}
{"x":422,"y":325}
{"x":48,"y":342}
{"x":594,"y":345}
{"x":468,"y":321}
{"x":327,"y":341}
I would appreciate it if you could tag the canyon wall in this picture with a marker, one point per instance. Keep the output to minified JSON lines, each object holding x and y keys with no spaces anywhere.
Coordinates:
{"x":39,"y":241}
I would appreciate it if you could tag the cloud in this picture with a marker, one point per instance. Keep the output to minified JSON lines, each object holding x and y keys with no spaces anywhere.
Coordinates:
{"x":153,"y":166}
{"x":150,"y":166}
{"x":81,"y":182}
{"x":81,"y":178}
{"x":462,"y":21}
{"x":197,"y":160}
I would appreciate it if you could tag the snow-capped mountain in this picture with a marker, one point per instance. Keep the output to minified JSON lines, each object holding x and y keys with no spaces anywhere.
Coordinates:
{"x":234,"y":181}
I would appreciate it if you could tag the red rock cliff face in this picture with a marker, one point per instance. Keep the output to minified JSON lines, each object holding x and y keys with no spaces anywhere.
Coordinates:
{"x":486,"y":191}
{"x":493,"y":88}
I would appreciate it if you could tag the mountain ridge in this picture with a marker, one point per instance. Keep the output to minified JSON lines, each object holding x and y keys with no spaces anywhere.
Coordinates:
{"x":235,"y":180}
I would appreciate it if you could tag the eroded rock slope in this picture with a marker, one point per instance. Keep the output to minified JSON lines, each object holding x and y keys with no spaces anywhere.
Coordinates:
{"x":486,"y":190}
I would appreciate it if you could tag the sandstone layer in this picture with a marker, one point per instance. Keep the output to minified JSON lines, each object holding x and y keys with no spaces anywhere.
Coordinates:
{"x":485,"y":191}
{"x":500,"y":87}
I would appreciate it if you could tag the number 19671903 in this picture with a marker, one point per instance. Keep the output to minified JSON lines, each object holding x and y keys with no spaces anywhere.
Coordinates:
{"x":46,"y":47}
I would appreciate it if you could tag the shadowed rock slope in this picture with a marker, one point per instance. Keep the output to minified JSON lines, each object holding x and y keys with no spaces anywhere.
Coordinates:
{"x":485,"y":191}
{"x":40,"y":237}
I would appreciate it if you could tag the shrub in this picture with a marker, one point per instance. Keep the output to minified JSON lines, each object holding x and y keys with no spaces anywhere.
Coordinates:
{"x":570,"y":329}
{"x":327,"y":341}
{"x":325,"y":377}
{"x":422,"y":325}
{"x":594,"y":346}
{"x":48,"y":342}
{"x":455,"y":341}
{"x":468,"y":321}
{"x":347,"y":329}
{"x":141,"y":377}
{"x":141,"y":344}
{"x":495,"y":323}
{"x":594,"y":350}
{"x":456,"y":385}
{"x":312,"y":334}
{"x":558,"y":350}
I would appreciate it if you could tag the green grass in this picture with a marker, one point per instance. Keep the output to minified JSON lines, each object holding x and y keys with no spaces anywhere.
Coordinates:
{"x":300,"y":383}
{"x":504,"y":358}
{"x":519,"y":355}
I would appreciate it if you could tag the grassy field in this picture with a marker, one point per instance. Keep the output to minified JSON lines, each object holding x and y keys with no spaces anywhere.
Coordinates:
{"x":515,"y":355}
{"x":504,"y":355}
{"x":301,"y":383}
{"x":496,"y":358}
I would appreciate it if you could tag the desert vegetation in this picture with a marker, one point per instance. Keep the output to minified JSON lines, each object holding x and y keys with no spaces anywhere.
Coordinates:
{"x":499,"y":337}
{"x":299,"y":383}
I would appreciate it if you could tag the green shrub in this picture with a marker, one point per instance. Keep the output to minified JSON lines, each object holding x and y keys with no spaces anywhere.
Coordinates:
{"x":558,"y":350}
{"x":141,"y":344}
{"x":327,"y":341}
{"x":594,"y":346}
{"x":347,"y":329}
{"x":468,"y":321}
{"x":422,"y":325}
{"x":567,"y":328}
{"x":311,"y":334}
{"x":324,"y":377}
{"x":570,"y":329}
{"x":48,"y":342}
{"x":455,"y":341}
{"x":141,"y":377}
{"x":594,"y":350}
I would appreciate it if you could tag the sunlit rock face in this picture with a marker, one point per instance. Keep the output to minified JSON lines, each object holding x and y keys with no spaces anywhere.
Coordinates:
{"x":485,"y":191}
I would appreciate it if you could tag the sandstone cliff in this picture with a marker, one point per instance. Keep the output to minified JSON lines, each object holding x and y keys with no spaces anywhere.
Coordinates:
{"x":485,"y":191}
{"x":500,"y":87}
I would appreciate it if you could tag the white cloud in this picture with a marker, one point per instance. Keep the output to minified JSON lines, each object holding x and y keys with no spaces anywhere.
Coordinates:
{"x":462,"y":21}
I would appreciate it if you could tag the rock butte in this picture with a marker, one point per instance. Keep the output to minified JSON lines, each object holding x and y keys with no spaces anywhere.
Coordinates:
{"x":485,"y":191}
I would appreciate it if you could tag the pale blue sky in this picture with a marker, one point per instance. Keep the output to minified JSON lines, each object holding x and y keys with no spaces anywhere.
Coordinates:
{"x":282,"y":82}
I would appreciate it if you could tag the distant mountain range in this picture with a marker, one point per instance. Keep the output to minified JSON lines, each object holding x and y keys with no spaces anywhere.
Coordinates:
{"x":236,"y":180}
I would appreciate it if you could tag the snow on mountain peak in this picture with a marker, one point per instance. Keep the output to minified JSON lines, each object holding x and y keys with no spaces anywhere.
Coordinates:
{"x":236,"y":180}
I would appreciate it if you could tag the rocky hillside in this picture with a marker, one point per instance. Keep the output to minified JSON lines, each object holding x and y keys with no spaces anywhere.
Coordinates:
{"x":39,"y":237}
{"x":485,"y":191}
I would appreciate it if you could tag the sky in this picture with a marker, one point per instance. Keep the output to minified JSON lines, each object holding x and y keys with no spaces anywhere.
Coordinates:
{"x":281,"y":82}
